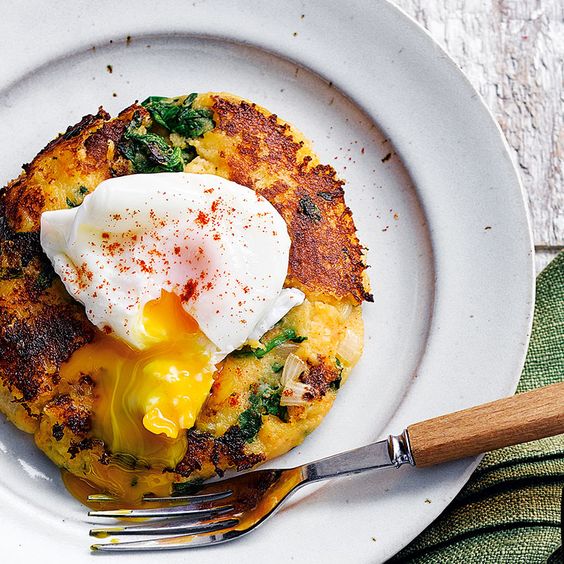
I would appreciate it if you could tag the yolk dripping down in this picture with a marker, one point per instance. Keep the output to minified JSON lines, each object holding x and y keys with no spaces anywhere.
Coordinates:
{"x":179,"y":368}
{"x":145,"y":398}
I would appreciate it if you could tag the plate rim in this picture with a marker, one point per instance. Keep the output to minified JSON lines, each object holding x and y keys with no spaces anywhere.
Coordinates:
{"x":508,"y":154}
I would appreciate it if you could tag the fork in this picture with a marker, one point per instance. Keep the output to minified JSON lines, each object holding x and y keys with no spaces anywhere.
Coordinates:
{"x":228,"y":509}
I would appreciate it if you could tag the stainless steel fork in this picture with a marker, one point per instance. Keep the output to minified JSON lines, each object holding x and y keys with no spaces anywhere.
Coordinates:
{"x":228,"y":509}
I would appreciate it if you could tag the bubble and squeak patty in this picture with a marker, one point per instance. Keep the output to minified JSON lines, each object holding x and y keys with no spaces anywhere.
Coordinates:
{"x":97,"y":403}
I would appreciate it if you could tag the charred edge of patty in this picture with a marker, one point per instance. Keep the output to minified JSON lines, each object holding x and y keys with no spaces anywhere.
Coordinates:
{"x":223,"y":452}
{"x":37,"y":332}
{"x":84,"y":147}
{"x":17,"y":249}
{"x":73,"y":131}
{"x":96,"y":143}
{"x":325,"y":254}
{"x":70,"y":415}
{"x":37,"y":335}
{"x":29,"y":346}
{"x":319,"y":379}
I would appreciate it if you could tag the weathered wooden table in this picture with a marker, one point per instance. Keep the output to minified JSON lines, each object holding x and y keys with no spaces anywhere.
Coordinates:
{"x":513,"y":53}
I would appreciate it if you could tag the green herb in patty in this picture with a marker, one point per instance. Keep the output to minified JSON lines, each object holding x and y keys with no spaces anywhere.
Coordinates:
{"x":308,"y":208}
{"x":149,"y":152}
{"x":80,"y":193}
{"x":178,"y":115}
{"x":260,"y":352}
{"x":265,"y":400}
{"x":187,"y":488}
{"x":336,"y":383}
{"x":286,"y":335}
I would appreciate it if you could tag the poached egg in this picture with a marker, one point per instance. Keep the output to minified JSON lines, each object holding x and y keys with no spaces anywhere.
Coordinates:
{"x":177,"y":270}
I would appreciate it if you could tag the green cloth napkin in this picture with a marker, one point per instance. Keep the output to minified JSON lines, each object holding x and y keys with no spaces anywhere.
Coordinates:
{"x":510,"y":510}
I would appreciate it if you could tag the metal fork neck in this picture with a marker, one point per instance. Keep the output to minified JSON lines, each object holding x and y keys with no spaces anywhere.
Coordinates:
{"x":392,"y":452}
{"x":400,"y":449}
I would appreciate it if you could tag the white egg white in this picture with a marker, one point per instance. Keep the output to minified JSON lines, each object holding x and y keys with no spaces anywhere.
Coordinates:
{"x":218,"y":245}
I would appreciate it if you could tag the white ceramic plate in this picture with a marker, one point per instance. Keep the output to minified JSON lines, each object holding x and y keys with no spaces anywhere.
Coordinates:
{"x":434,"y":194}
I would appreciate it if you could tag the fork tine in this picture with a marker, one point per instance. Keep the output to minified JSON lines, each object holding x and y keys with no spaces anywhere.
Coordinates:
{"x":197,"y":498}
{"x":191,"y":498}
{"x":190,"y":510}
{"x":166,"y":526}
{"x":101,"y":498}
{"x":183,"y":541}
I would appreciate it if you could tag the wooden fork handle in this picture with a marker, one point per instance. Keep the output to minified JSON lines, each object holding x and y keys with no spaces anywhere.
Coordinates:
{"x":518,"y":419}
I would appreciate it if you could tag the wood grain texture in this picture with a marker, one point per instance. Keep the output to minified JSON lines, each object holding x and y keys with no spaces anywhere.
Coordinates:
{"x":513,"y":53}
{"x":518,"y":419}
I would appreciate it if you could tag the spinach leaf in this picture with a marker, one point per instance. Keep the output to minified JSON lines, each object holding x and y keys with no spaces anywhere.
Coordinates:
{"x":178,"y":115}
{"x":187,"y":488}
{"x":149,"y":152}
{"x":80,"y":193}
{"x":308,"y":208}
{"x":265,"y":400}
{"x":10,"y":273}
{"x":163,"y":110}
{"x":286,"y":335}
{"x":194,"y":123}
{"x":45,"y":278}
{"x":336,"y":383}
{"x":250,"y":422}
{"x":189,"y":154}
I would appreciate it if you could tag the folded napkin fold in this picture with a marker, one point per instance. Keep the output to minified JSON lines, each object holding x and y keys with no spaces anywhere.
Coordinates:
{"x":510,"y":510}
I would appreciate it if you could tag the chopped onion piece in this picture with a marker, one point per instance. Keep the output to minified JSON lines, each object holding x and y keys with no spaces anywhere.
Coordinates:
{"x":349,"y":348}
{"x":294,"y":390}
{"x":346,"y":310}
{"x":285,"y":349}
{"x":293,"y":369}
{"x":293,"y":394}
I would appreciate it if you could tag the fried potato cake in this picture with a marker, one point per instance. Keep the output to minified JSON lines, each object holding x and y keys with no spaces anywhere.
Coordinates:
{"x":242,"y":422}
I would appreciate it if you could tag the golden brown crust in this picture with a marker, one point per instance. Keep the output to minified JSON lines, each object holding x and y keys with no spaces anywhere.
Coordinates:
{"x":227,"y":451}
{"x":80,"y":158}
{"x":64,"y":428}
{"x":326,"y":258}
{"x":320,"y":377}
{"x":40,"y":325}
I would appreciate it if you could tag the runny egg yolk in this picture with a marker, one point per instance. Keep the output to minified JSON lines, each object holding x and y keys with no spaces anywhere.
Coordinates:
{"x":179,"y":372}
{"x":145,"y":398}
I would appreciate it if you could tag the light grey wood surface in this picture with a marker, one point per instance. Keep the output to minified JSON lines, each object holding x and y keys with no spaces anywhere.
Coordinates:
{"x":513,"y":53}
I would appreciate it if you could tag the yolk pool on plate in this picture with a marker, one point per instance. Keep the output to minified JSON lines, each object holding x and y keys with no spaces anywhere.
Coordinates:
{"x":145,"y":398}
